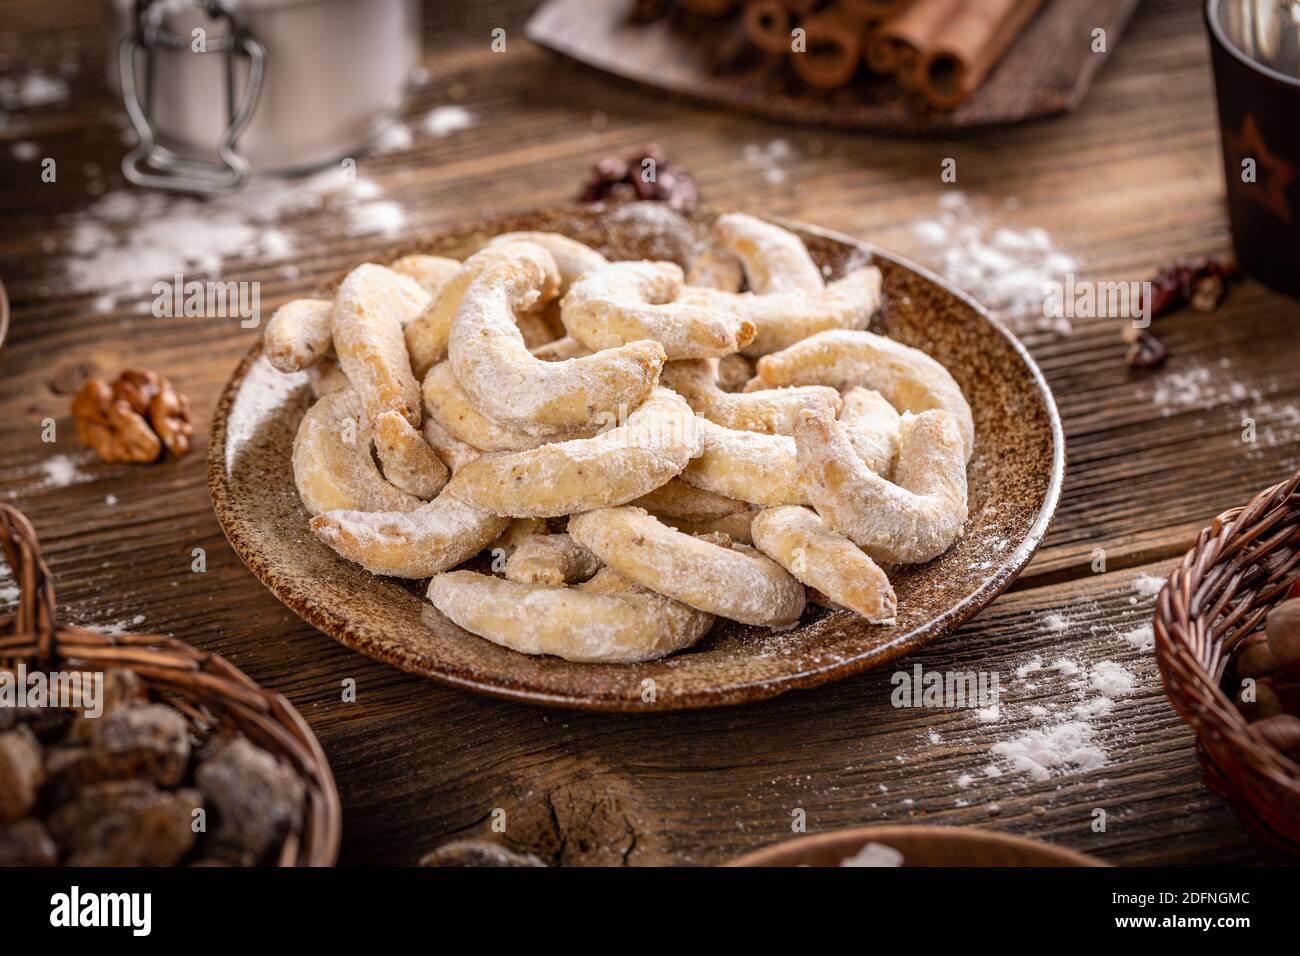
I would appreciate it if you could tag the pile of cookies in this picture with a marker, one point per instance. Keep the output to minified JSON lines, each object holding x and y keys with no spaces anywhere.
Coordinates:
{"x":640,"y":450}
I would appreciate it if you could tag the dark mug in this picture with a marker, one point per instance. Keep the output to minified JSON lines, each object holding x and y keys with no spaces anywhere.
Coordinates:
{"x":1255,"y":49}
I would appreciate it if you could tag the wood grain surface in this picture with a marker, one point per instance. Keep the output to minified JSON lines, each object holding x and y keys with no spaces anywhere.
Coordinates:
{"x":1047,"y":70}
{"x":1130,"y":180}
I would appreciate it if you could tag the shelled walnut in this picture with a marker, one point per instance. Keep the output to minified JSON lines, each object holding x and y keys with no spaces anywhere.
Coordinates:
{"x":134,"y":418}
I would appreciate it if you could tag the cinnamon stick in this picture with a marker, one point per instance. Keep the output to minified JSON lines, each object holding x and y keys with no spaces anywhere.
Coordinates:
{"x":967,"y":46}
{"x":833,"y":51}
{"x":710,"y":8}
{"x":874,"y":9}
{"x":913,"y":29}
{"x":768,"y":24}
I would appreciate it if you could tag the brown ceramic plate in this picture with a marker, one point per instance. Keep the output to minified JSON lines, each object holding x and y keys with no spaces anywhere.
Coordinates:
{"x":1015,"y":480}
{"x":920,"y":846}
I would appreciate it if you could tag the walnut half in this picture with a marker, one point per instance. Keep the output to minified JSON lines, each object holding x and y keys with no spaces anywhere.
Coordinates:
{"x":132,"y":419}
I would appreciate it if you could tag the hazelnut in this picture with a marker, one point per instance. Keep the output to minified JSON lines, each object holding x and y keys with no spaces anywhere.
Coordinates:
{"x":1276,"y":696}
{"x":1281,"y":731}
{"x":1283,"y":629}
{"x":1254,"y":658}
{"x":22,"y":771}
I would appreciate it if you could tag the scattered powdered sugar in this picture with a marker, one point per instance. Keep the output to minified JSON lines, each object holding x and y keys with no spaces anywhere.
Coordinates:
{"x":1006,"y":270}
{"x":8,"y":588}
{"x":1198,"y":386}
{"x":1062,"y":740}
{"x":385,"y":218}
{"x":1055,"y":622}
{"x":116,"y":628}
{"x":32,"y":90}
{"x":1067,"y":668}
{"x":1140,"y":638}
{"x":1097,"y":707}
{"x":769,"y":160}
{"x":874,"y":854}
{"x":1065,"y":746}
{"x":60,"y":471}
{"x":446,"y":120}
{"x":395,"y":138}
{"x":127,"y":240}
{"x":1111,"y":679}
{"x":1035,"y":663}
{"x":1147,"y":585}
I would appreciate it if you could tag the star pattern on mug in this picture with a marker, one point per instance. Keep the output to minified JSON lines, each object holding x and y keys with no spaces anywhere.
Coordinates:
{"x":1249,"y":144}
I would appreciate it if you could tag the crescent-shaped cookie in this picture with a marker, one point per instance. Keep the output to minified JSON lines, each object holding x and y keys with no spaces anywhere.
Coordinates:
{"x":736,"y":582}
{"x":781,"y":319}
{"x":607,"y":620}
{"x":299,"y":334}
{"x":372,"y":305}
{"x":427,"y":335}
{"x":676,"y":499}
{"x":411,"y":544}
{"x":431,"y":272}
{"x":747,"y":466}
{"x":909,"y":379}
{"x":616,"y":466}
{"x":572,"y":258}
{"x":774,"y":259}
{"x":872,"y":426}
{"x":633,"y":301}
{"x":799,"y":541}
{"x":407,"y":459}
{"x":332,"y":464}
{"x":514,"y":387}
{"x":552,"y":559}
{"x":770,"y":411}
{"x":446,"y":400}
{"x":912,"y":519}
{"x":715,"y":268}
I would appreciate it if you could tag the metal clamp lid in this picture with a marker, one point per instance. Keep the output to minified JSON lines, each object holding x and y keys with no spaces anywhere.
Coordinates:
{"x":154,"y":165}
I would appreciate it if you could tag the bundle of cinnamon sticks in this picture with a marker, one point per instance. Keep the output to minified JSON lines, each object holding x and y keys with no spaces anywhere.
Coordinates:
{"x":940,"y":49}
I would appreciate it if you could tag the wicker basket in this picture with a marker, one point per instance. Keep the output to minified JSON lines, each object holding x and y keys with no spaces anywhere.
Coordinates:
{"x":210,"y":691}
{"x":1241,"y":566}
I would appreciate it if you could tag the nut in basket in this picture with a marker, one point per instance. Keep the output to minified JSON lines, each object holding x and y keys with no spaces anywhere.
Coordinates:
{"x":1207,"y":622}
{"x":142,"y":750}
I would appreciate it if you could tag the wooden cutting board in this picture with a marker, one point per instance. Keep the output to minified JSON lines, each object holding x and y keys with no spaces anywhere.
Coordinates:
{"x":1047,"y":70}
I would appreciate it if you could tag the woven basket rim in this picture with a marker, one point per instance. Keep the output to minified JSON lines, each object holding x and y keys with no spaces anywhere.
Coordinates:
{"x":1220,"y":593}
{"x":218,"y":696}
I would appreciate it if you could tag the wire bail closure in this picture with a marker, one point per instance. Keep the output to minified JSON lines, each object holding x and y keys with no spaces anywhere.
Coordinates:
{"x":154,"y":165}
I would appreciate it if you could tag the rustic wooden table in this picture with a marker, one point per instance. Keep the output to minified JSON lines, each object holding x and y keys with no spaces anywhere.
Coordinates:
{"x":1128,"y":182}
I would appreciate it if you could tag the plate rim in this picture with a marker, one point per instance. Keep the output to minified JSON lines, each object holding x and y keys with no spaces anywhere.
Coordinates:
{"x":776,"y":854}
{"x":727,"y":695}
